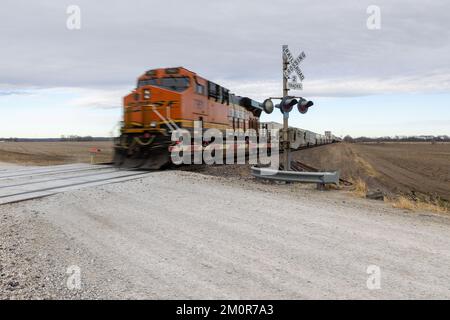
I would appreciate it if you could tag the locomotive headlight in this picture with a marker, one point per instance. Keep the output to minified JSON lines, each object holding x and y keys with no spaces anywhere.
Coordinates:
{"x":146,"y":94}
{"x":153,"y":124}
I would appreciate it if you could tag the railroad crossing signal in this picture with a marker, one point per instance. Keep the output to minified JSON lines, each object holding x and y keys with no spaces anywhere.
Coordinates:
{"x":287,"y":102}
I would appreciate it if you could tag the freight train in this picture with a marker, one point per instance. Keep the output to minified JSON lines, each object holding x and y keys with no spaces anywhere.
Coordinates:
{"x":167,"y":99}
{"x":301,"y":138}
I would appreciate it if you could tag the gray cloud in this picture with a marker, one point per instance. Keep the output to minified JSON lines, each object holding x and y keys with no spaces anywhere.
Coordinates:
{"x":238,"y":41}
{"x":12,"y":93}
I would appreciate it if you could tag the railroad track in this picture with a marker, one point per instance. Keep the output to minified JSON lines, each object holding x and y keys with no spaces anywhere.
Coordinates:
{"x":24,"y":184}
{"x":20,"y":184}
{"x":46,"y":172}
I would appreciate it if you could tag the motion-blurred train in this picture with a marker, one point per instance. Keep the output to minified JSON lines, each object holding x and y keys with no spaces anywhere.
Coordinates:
{"x":301,"y":138}
{"x":166,"y":99}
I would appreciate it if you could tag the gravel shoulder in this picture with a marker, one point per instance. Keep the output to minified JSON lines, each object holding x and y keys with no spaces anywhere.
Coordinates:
{"x":185,"y":235}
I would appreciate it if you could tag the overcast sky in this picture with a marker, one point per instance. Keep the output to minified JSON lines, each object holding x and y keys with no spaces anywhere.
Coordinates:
{"x":389,"y":81}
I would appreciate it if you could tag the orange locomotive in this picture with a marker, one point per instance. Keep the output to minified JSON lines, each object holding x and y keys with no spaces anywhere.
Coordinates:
{"x":171,"y":98}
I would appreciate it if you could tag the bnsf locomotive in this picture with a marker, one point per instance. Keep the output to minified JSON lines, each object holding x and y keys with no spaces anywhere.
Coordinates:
{"x":172,"y":98}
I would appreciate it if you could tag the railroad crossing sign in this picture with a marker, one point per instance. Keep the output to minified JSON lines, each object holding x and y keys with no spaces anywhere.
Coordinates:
{"x":293,"y":65}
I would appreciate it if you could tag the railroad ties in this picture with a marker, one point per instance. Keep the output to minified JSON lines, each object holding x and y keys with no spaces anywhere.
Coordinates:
{"x":22,"y":183}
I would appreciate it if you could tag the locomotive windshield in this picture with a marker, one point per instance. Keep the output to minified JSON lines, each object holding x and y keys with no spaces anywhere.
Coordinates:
{"x":172,"y":83}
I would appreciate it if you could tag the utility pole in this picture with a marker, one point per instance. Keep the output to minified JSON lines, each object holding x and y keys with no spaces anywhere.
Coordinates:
{"x":285,"y":142}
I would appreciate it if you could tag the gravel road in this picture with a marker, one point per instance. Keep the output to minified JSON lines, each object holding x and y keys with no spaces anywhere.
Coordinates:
{"x":184,"y":235}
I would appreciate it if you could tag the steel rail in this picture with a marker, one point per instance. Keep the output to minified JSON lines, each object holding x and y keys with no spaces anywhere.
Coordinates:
{"x":72,"y":176}
{"x":134,"y":175}
{"x":51,"y":172}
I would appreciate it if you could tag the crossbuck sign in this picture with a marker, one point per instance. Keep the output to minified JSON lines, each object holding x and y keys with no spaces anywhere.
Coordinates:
{"x":293,"y":65}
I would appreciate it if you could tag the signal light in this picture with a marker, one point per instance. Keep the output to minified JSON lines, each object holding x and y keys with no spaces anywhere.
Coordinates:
{"x":287,"y":103}
{"x":303,"y":105}
{"x":267,"y":106}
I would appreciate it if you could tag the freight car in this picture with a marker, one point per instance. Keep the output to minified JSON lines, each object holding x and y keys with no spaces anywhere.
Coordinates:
{"x":301,"y":138}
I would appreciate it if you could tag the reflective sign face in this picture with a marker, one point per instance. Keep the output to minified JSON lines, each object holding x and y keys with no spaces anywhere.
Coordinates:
{"x":293,"y":64}
{"x":297,"y":70}
{"x":287,"y":54}
{"x":295,"y":86}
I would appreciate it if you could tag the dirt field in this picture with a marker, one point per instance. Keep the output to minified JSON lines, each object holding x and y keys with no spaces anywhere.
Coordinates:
{"x":405,"y":168}
{"x":51,"y":153}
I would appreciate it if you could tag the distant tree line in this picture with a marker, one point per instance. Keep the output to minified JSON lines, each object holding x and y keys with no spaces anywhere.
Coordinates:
{"x":424,"y":138}
{"x":76,"y":138}
{"x":62,"y":138}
